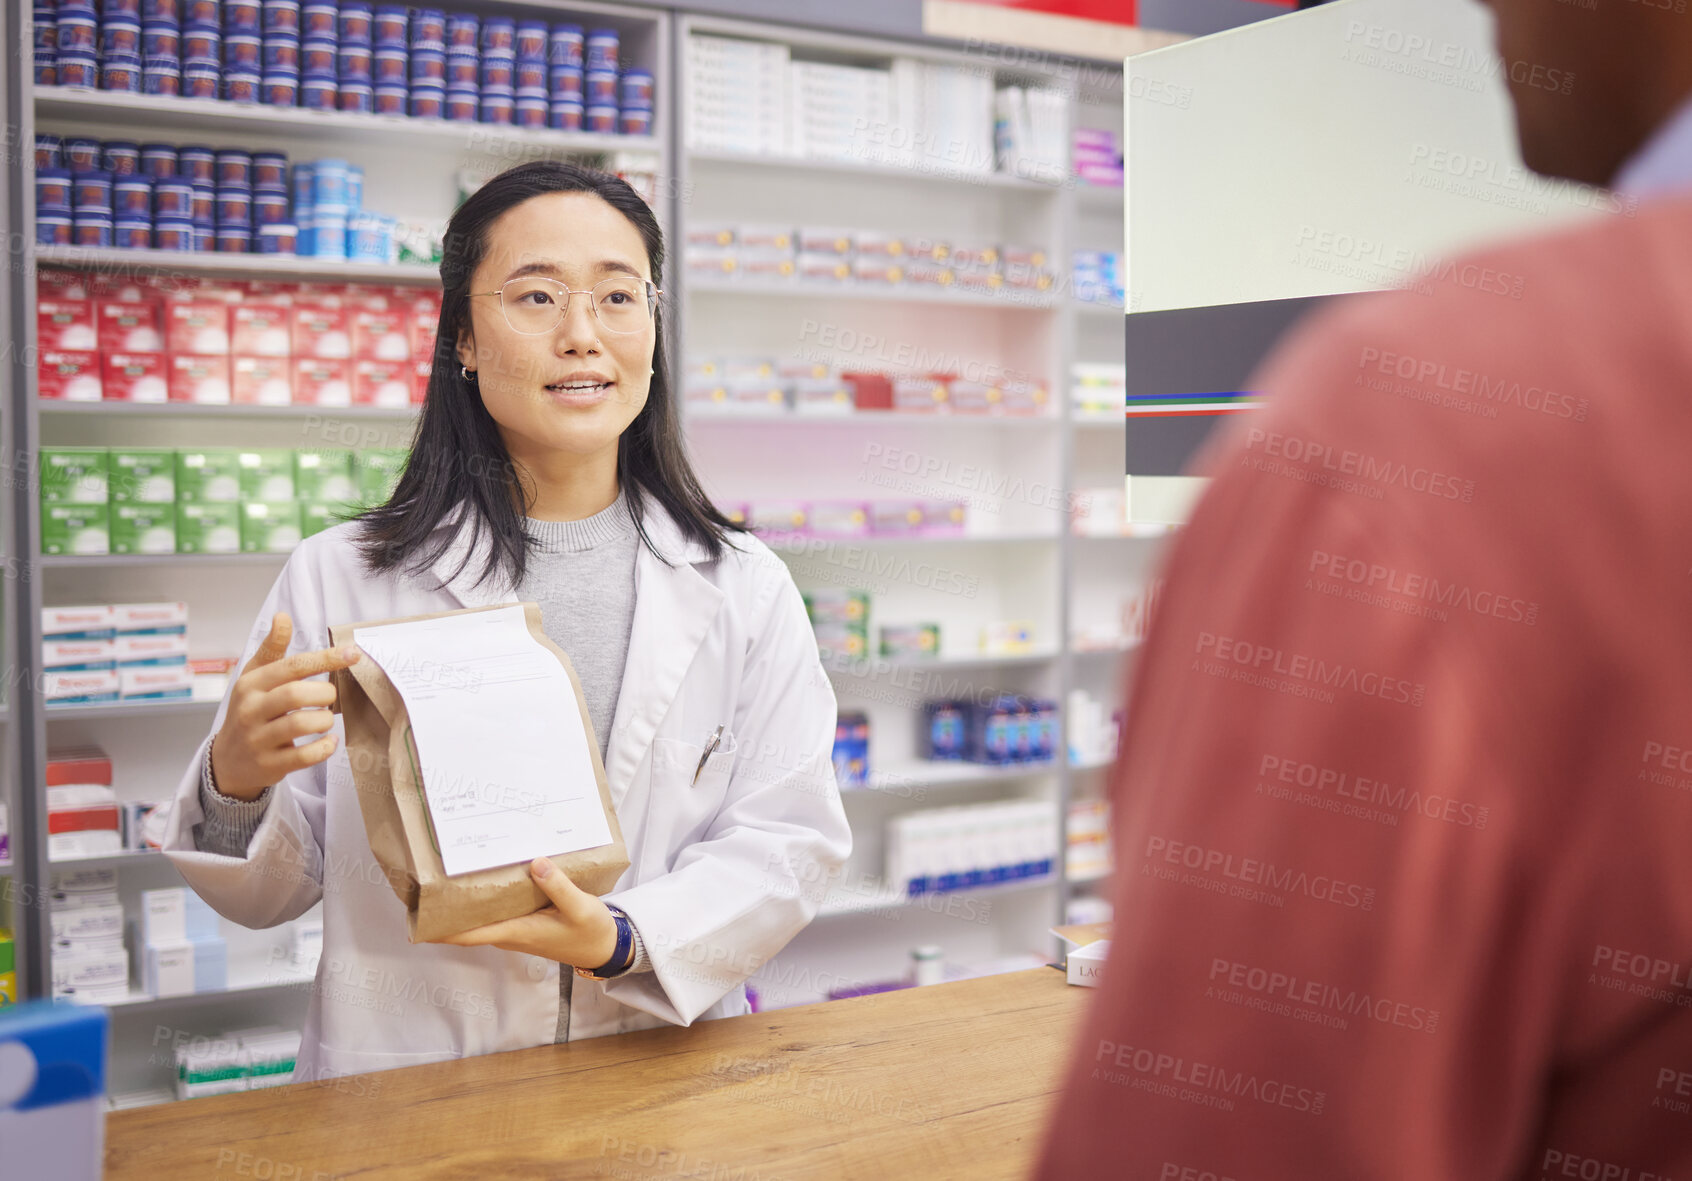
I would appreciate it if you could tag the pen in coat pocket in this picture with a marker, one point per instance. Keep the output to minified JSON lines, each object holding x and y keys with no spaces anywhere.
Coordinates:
{"x":710,"y":746}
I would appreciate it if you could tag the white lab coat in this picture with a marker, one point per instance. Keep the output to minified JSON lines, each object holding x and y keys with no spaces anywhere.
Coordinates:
{"x":723,"y":872}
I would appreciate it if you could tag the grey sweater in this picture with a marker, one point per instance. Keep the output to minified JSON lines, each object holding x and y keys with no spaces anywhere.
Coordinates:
{"x":582,"y":573}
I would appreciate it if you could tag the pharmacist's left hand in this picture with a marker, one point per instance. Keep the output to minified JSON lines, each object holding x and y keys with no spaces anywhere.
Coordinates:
{"x":577,"y":929}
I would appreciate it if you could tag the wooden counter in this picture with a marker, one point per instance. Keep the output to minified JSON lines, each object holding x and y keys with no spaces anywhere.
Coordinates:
{"x":949,"y":1081}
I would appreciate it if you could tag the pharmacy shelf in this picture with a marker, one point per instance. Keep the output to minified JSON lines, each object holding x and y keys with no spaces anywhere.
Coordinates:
{"x":1117,"y":649}
{"x":111,"y":860}
{"x":898,"y":779}
{"x":802,"y":547}
{"x":130,"y":709}
{"x":841,"y":903}
{"x":204,"y":117}
{"x":102,"y":561}
{"x":243,"y":978}
{"x":797,"y":548}
{"x":130,"y":1100}
{"x":1019,"y":301}
{"x":879,"y":419}
{"x":1088,"y":879}
{"x":1092,"y":418}
{"x":928,"y":175}
{"x":52,"y":407}
{"x":876,"y":666}
{"x":209,"y":264}
{"x":1135,"y":531}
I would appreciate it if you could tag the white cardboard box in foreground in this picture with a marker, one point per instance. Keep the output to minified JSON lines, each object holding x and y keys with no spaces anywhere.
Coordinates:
{"x":1086,"y":964}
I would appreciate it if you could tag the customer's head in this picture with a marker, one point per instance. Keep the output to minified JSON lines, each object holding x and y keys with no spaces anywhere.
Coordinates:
{"x":1591,"y":79}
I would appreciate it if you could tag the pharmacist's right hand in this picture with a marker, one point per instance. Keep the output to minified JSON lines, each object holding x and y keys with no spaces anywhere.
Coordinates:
{"x":273,"y":704}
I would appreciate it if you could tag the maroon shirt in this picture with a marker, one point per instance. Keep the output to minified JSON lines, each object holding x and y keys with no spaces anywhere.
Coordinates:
{"x":1404,"y":811}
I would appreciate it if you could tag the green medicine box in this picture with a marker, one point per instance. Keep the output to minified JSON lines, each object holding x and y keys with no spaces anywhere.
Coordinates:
{"x":324,"y":476}
{"x":144,"y":528}
{"x":267,"y":475}
{"x":74,"y":475}
{"x":208,"y":476}
{"x":378,"y":472}
{"x":75,"y":529}
{"x":318,"y":515}
{"x":142,"y":475}
{"x":269,"y":527}
{"x":210,"y":527}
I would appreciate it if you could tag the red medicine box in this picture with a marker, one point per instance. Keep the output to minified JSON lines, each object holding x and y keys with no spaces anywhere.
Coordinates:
{"x":66,"y":325}
{"x":79,"y":765}
{"x":382,"y":383}
{"x":131,"y":327}
{"x":199,"y":327}
{"x":261,"y":330}
{"x":381,"y":335}
{"x":263,"y":381}
{"x":135,"y":377}
{"x":321,"y":331}
{"x":322,"y":383}
{"x":69,"y":377}
{"x":203,"y":380}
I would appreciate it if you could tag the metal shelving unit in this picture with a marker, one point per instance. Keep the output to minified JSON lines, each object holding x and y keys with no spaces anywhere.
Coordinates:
{"x":720,"y":184}
{"x":412,"y":167}
{"x":204,"y":116}
{"x":112,"y":261}
{"x":1038,"y":546}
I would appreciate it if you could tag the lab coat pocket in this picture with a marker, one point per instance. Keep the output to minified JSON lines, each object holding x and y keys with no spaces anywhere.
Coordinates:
{"x":681,"y":808}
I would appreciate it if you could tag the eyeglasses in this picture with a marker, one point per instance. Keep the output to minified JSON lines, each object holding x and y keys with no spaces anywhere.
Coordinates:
{"x":534,"y":305}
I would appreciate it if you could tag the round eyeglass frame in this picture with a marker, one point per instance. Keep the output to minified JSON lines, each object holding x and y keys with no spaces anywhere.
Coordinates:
{"x":652,"y":294}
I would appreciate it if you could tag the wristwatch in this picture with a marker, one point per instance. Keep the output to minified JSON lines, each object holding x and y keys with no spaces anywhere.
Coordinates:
{"x":622,"y":957}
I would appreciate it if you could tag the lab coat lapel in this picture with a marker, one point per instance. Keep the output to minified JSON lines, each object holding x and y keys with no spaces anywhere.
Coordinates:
{"x":675,"y":606}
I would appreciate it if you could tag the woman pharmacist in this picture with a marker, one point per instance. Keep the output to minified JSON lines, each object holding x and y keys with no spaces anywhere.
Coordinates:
{"x":547,"y":466}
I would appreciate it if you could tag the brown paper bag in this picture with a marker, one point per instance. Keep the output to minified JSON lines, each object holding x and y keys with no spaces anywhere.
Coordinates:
{"x":396,"y":815}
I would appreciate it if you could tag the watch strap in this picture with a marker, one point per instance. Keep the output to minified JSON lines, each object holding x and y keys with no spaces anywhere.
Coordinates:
{"x":622,"y":956}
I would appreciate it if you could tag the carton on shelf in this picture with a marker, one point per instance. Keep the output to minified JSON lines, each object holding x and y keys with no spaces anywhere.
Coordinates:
{"x":199,"y":327}
{"x":69,"y":376}
{"x":261,"y":330}
{"x":75,"y":529}
{"x":74,"y":475}
{"x":269,"y":527}
{"x":143,"y":528}
{"x":127,"y":327}
{"x":211,"y":527}
{"x":261,"y":381}
{"x":201,"y":380}
{"x":141,"y":475}
{"x":208,"y":475}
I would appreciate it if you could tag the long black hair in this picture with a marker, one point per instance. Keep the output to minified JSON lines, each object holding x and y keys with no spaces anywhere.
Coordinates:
{"x":458,"y":456}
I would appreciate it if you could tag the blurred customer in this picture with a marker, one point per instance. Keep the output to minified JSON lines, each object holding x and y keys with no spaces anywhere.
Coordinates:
{"x":1404,"y":813}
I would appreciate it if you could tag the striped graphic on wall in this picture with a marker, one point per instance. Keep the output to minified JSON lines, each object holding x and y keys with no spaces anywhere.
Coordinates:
{"x":1174,"y":405}
{"x":1189,"y":367}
